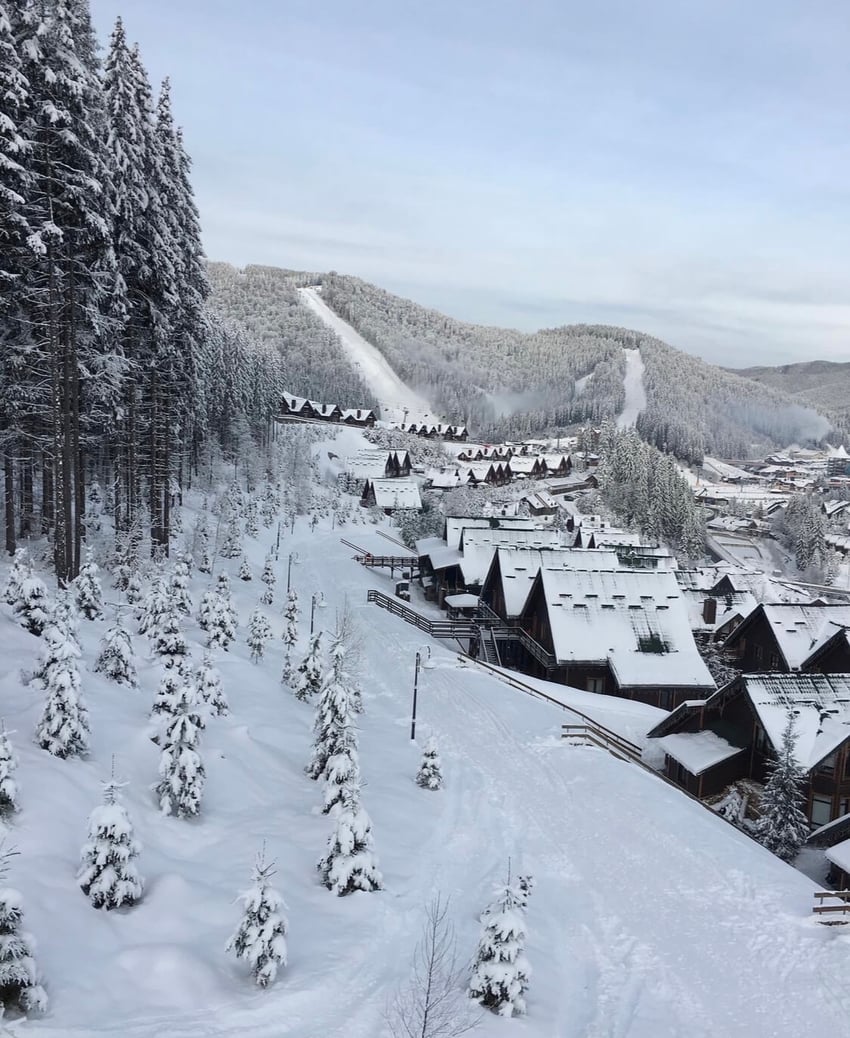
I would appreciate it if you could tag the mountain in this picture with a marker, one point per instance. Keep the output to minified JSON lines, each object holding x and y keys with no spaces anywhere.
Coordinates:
{"x":823,"y":384}
{"x":505,"y":383}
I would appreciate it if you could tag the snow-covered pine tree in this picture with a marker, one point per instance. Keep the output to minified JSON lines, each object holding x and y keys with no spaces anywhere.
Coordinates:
{"x":342,"y":769}
{"x":201,"y":547}
{"x":260,"y":937}
{"x":219,"y":620}
{"x":8,"y":766}
{"x":310,"y":675}
{"x":231,"y":547}
{"x":20,"y":986}
{"x":116,"y":658}
{"x":181,"y":770}
{"x":155,"y":604}
{"x":259,"y":632}
{"x":20,"y":569}
{"x":783,"y":827}
{"x":32,"y":606}
{"x":500,"y":972}
{"x":269,"y":579}
{"x":430,"y":775}
{"x":108,"y":873}
{"x":208,"y":687}
{"x":167,"y":639}
{"x":135,"y":589}
{"x":245,"y":570}
{"x":178,"y":587}
{"x":333,"y":727}
{"x":290,"y":632}
{"x":63,"y":729}
{"x":252,"y":517}
{"x":524,"y":888}
{"x":350,"y":863}
{"x":88,"y":592}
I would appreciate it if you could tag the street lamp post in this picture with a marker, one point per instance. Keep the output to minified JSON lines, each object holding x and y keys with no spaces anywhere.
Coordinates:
{"x":293,"y":555}
{"x":428,"y":665}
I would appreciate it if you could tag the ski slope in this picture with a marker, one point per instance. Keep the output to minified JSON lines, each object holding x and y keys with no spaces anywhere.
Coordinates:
{"x":650,"y":918}
{"x":398,"y":402}
{"x":635,"y":401}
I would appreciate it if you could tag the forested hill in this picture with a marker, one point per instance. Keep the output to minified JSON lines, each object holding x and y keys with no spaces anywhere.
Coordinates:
{"x":821,"y":384}
{"x":505,"y":382}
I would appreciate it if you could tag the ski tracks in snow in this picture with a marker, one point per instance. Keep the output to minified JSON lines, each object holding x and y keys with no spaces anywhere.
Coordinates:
{"x":635,"y":400}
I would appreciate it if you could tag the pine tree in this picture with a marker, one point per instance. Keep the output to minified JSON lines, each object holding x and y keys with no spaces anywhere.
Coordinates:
{"x":201,"y":548}
{"x":231,"y":548}
{"x":245,"y":570}
{"x":269,"y":579}
{"x":32,"y":605}
{"x":88,"y":592}
{"x":8,"y":766}
{"x":208,"y":687}
{"x":108,"y":873}
{"x":134,"y":592}
{"x":155,"y":605}
{"x":430,"y":775}
{"x":350,"y":863}
{"x":63,"y":729}
{"x":167,"y":639}
{"x":500,"y":972}
{"x":342,"y":769}
{"x":181,"y":770}
{"x":259,"y":632}
{"x":21,"y":566}
{"x":783,"y":827}
{"x":219,"y":620}
{"x":178,"y":588}
{"x":310,"y":674}
{"x":252,"y":525}
{"x":19,"y":980}
{"x":116,"y":658}
{"x":333,"y":727}
{"x":260,"y":938}
{"x":290,"y":632}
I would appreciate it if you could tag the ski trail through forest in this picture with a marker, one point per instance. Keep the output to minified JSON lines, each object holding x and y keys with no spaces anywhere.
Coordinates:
{"x":396,"y":397}
{"x":635,"y":393}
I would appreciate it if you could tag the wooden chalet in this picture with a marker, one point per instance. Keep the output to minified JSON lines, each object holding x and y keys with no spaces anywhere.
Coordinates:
{"x":391,"y":495}
{"x":326,"y":412}
{"x":834,"y":837}
{"x":379,"y":464}
{"x":782,"y":637}
{"x":736,"y":732}
{"x":557,"y":465}
{"x":530,"y":467}
{"x":296,"y":407}
{"x":623,"y":633}
{"x":359,"y":416}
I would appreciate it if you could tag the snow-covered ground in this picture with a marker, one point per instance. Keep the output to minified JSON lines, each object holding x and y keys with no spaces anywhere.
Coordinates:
{"x":396,"y":398}
{"x":635,"y":401}
{"x":651,"y":918}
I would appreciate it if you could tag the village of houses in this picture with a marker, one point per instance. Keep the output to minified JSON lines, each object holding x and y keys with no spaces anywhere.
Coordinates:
{"x":538,"y":587}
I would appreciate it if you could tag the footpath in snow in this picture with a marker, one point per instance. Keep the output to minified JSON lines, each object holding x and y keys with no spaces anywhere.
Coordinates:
{"x":635,"y":393}
{"x":395,"y":397}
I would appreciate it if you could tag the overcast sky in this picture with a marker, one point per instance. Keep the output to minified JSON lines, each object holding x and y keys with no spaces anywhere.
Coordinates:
{"x":677,"y":166}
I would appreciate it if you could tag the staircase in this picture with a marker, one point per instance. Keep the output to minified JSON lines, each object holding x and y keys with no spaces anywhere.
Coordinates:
{"x":488,"y":650}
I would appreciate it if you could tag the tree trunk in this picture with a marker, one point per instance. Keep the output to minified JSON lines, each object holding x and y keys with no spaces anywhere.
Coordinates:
{"x":9,"y":492}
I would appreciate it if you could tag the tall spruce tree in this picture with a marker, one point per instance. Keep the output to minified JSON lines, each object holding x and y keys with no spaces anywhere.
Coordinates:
{"x":783,"y":826}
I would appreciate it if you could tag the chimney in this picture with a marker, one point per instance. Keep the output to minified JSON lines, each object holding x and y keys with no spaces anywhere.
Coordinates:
{"x":709,"y":611}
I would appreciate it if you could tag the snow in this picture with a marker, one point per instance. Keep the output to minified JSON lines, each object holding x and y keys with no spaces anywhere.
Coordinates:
{"x":698,"y":751}
{"x":635,"y":401}
{"x":839,"y":855}
{"x":396,"y":398}
{"x":649,"y":917}
{"x":462,"y":601}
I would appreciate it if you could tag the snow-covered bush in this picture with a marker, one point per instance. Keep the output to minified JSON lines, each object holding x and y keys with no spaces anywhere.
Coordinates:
{"x":88,"y":593}
{"x":350,"y":863}
{"x":32,"y":606}
{"x":116,"y":658}
{"x":500,"y":972}
{"x":260,"y":938}
{"x":108,"y":873}
{"x":430,"y":775}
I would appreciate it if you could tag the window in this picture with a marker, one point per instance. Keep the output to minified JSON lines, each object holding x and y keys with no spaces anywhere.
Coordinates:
{"x":596,"y":684}
{"x":827,"y":765}
{"x":821,"y":810}
{"x":758,"y":655}
{"x":774,"y":661}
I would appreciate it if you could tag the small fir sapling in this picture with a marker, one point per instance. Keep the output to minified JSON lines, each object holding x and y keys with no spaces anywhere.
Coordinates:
{"x":156,"y":603}
{"x":208,"y":687}
{"x":259,"y":632}
{"x":260,"y":938}
{"x":32,"y":607}
{"x":269,"y":579}
{"x":783,"y":827}
{"x":201,"y":547}
{"x":135,"y":589}
{"x":181,"y":770}
{"x":167,"y":639}
{"x":350,"y":863}
{"x":63,"y":729}
{"x":20,"y":986}
{"x":8,"y":766}
{"x":342,"y":768}
{"x":178,"y":587}
{"x":252,"y":516}
{"x":500,"y":972}
{"x":231,"y":547}
{"x":333,"y":727}
{"x":430,"y":775}
{"x":88,"y":593}
{"x":245,"y":570}
{"x":108,"y":873}
{"x":310,"y":673}
{"x":116,"y":658}
{"x":21,"y":568}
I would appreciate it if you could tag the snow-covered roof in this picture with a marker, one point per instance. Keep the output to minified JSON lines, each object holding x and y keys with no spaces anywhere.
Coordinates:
{"x":519,"y":567}
{"x":443,"y":480}
{"x":799,"y":629}
{"x":455,"y":525}
{"x":698,"y":751}
{"x":523,"y":465}
{"x":461,"y":601}
{"x":609,"y":538}
{"x":359,"y":414}
{"x":396,"y":493}
{"x":737,"y":604}
{"x":539,"y":537}
{"x":634,"y":619}
{"x":294,"y":403}
{"x":839,"y":855}
{"x":820,"y":704}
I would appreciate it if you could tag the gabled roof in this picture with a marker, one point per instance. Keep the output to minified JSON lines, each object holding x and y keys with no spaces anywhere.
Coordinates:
{"x":517,"y":568}
{"x":396,"y":493}
{"x":820,"y":704}
{"x":456,"y":524}
{"x":798,"y":629}
{"x":832,"y":636}
{"x":634,"y":619}
{"x":698,"y":751}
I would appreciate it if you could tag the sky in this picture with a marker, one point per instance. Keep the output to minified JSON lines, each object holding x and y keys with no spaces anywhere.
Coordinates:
{"x":681,"y":167}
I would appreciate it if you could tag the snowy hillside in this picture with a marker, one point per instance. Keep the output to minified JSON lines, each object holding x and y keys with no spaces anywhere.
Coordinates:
{"x":635,"y":401}
{"x":650,"y":916}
